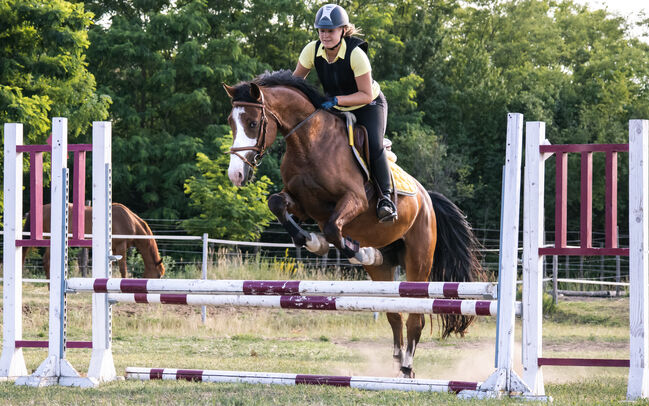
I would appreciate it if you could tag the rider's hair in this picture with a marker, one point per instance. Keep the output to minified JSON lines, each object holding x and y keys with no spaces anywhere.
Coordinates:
{"x":350,"y":30}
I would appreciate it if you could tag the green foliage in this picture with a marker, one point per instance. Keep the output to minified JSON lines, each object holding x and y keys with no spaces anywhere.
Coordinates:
{"x":226,"y":211}
{"x":164,"y":63}
{"x":43,"y":71}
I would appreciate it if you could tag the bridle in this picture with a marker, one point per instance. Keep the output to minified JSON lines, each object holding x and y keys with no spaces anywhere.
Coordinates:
{"x":260,"y":147}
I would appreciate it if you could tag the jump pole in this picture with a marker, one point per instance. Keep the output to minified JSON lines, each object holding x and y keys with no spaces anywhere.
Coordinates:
{"x":449,"y":290}
{"x":359,"y":382}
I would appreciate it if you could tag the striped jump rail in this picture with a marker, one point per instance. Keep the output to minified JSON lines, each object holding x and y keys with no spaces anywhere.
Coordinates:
{"x":466,"y":290}
{"x":45,"y":344}
{"x":584,"y":362}
{"x":359,"y":382}
{"x":368,"y":304}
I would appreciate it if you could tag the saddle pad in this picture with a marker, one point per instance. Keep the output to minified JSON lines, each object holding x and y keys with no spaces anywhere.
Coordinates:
{"x":403,"y":182}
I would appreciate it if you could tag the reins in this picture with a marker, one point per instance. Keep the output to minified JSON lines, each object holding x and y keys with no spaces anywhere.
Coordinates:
{"x":260,"y":147}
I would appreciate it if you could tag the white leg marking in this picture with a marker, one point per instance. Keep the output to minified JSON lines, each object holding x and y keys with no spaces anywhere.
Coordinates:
{"x":317,"y":244}
{"x":367,"y":256}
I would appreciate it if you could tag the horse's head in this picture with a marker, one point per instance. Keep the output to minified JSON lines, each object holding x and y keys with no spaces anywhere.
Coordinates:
{"x":156,"y":272}
{"x":252,"y":131}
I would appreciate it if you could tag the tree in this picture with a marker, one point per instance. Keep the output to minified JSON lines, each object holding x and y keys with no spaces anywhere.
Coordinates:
{"x":43,"y":71}
{"x":163,"y":63}
{"x":226,"y":211}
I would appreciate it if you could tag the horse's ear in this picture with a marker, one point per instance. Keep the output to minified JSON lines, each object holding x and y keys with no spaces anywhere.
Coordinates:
{"x":229,"y":90}
{"x":255,"y":92}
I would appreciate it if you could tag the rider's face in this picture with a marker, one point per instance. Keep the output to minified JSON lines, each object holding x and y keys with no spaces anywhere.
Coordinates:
{"x":330,"y":37}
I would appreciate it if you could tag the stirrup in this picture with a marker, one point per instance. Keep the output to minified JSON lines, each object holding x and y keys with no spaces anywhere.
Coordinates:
{"x":386,"y":211}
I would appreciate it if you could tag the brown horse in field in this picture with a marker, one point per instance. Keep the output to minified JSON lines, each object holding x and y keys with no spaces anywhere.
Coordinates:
{"x":322,"y":181}
{"x":125,"y":222}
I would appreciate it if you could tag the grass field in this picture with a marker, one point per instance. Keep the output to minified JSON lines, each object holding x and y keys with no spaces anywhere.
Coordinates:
{"x":312,"y":343}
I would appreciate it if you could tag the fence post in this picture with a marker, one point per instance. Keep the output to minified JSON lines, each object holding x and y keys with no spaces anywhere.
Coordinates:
{"x":204,"y":273}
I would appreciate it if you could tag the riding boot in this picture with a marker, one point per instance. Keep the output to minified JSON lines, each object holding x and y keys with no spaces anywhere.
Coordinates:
{"x":386,"y":210}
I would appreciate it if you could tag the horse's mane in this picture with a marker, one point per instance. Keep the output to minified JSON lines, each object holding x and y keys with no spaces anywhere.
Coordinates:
{"x":279,"y":78}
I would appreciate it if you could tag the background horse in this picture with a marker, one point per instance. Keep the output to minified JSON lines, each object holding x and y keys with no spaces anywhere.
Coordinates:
{"x":322,"y":182}
{"x":125,"y":222}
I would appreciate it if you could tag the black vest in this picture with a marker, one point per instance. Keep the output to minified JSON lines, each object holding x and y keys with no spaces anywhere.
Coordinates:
{"x":338,"y":78}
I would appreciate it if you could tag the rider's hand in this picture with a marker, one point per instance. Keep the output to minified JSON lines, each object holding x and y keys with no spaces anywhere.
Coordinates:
{"x":332,"y":101}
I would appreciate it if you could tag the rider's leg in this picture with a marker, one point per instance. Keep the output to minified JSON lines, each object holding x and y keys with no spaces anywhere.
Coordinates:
{"x":373,"y":117}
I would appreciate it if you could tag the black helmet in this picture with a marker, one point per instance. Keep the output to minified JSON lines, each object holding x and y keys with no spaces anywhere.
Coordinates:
{"x":331,"y":16}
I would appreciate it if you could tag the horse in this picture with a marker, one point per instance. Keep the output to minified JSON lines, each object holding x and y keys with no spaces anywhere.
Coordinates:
{"x":322,"y":182}
{"x":125,"y":222}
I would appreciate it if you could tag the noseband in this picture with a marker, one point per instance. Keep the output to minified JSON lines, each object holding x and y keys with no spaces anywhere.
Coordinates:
{"x":260,"y":147}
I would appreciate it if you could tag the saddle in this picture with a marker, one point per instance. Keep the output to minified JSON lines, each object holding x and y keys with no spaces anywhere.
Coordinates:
{"x":402,"y":182}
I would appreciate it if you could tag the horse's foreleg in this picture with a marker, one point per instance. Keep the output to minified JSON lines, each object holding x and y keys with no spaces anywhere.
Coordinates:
{"x":346,"y":210}
{"x":120,"y":248}
{"x":281,"y":204}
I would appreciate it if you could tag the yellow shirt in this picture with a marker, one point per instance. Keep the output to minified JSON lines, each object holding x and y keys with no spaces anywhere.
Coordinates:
{"x":359,"y":63}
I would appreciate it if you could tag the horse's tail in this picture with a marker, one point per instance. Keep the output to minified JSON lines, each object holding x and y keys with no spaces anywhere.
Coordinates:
{"x":456,"y":256}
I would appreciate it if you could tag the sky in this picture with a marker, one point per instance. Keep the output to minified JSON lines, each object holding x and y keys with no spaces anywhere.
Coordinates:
{"x":627,"y":8}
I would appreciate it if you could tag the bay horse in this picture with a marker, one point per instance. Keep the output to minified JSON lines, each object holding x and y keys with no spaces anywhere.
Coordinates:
{"x":323,"y":182}
{"x":125,"y":222}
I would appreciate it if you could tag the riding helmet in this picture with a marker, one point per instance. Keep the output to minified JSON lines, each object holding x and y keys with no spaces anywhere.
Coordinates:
{"x":331,"y":16}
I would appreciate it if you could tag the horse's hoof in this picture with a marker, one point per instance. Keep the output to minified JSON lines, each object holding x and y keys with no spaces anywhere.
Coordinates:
{"x":407,"y":373}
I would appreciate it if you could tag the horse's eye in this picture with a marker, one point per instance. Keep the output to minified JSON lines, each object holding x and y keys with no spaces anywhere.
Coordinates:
{"x":253,"y":124}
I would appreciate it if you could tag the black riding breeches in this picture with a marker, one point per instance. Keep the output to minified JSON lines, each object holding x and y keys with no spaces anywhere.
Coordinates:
{"x":374,"y":117}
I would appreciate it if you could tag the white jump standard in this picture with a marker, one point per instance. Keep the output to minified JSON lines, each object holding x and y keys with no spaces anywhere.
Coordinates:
{"x":56,"y":370}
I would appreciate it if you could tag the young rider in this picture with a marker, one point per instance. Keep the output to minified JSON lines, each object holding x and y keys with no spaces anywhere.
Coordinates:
{"x":345,"y":73}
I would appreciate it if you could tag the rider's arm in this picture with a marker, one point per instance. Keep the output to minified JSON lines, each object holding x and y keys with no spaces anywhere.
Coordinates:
{"x":364,"y":94}
{"x":305,"y":61}
{"x":360,"y":64}
{"x":301,"y":71}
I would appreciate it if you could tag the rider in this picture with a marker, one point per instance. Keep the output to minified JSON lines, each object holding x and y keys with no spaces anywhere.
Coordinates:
{"x":346,"y":76}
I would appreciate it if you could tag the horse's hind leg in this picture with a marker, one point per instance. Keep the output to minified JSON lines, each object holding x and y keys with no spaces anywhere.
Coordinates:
{"x":419,"y":250}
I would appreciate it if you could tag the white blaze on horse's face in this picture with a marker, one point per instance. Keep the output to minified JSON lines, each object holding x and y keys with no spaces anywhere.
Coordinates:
{"x":238,"y":169}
